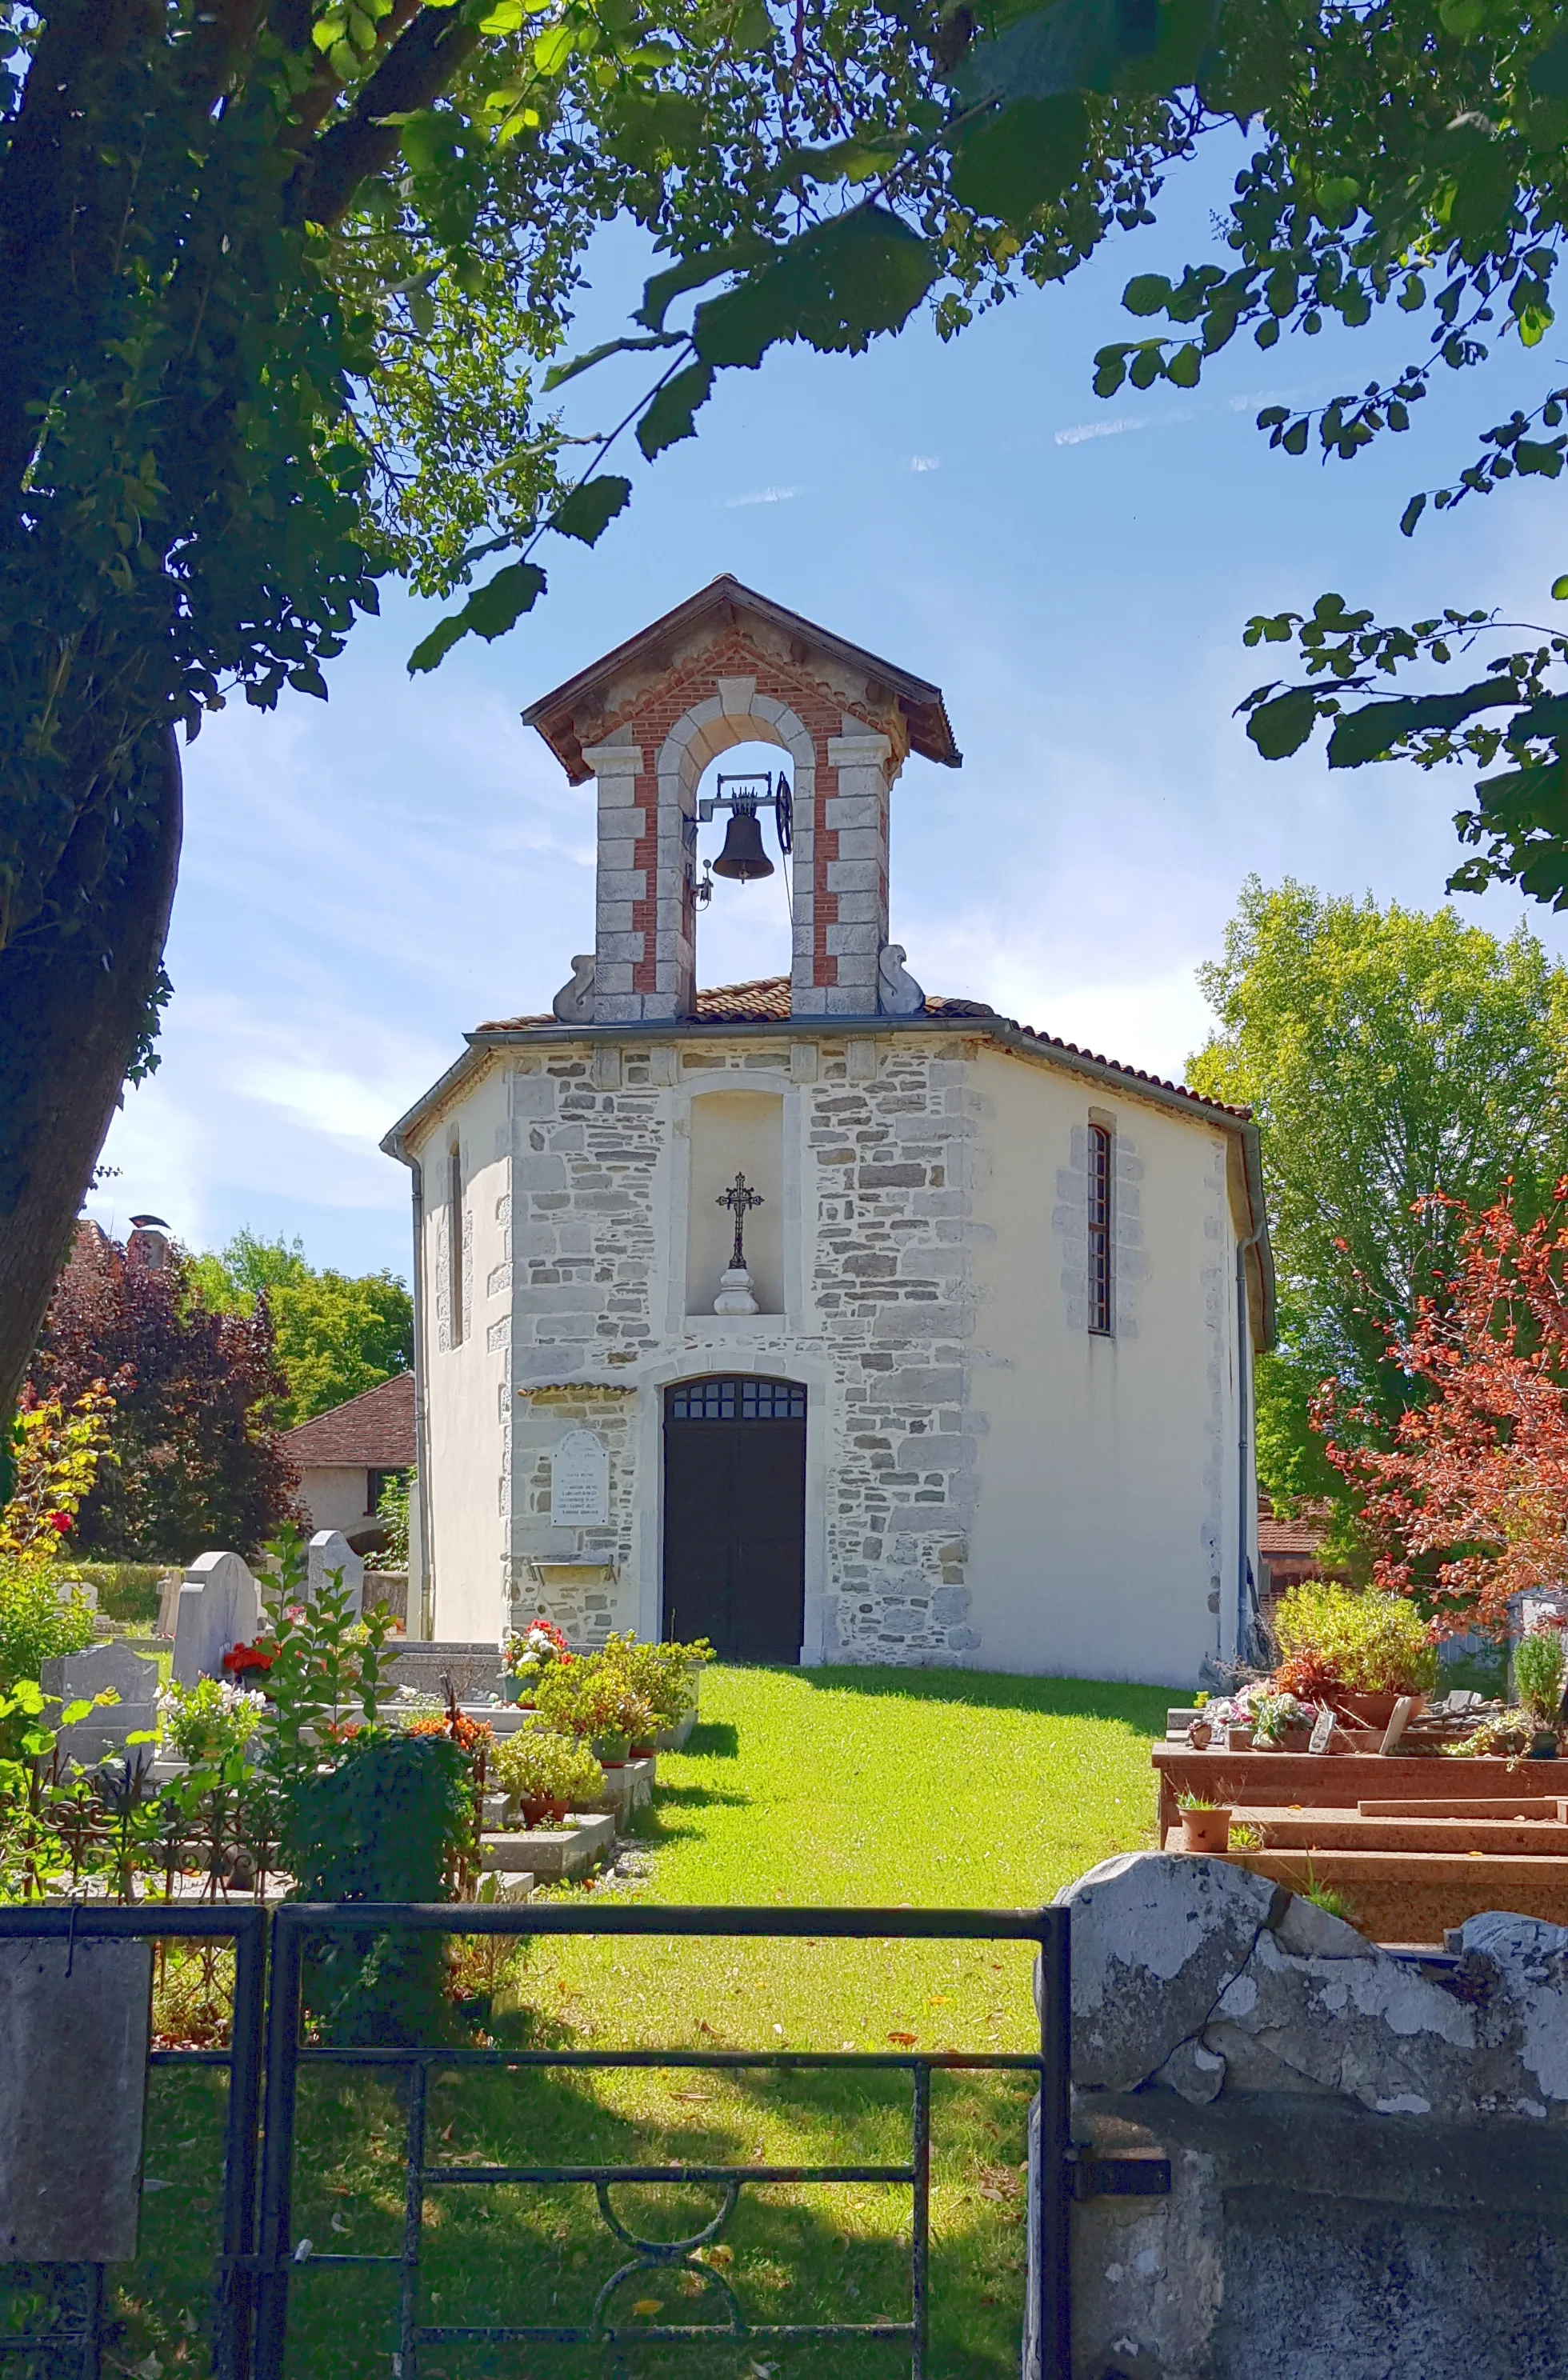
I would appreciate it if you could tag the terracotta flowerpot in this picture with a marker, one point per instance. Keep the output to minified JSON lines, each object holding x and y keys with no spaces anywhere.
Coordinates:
{"x":641,"y":1751}
{"x":612,"y":1751}
{"x":1238,"y":1738}
{"x":1206,"y":1831}
{"x":1373,"y":1710}
{"x":540,"y":1809}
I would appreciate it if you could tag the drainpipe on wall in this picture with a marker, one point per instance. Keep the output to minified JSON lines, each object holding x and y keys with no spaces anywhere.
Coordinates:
{"x":422,"y":1432}
{"x":1244,"y":1379}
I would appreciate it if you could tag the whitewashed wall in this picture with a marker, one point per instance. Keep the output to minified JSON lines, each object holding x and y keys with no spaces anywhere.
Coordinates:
{"x":333,"y":1495}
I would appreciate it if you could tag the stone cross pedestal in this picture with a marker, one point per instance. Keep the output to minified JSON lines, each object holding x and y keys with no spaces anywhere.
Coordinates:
{"x":735,"y":1292}
{"x":219,"y":1607}
{"x":77,"y":1677}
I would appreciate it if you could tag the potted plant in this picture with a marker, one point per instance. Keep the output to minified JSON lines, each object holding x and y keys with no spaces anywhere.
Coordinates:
{"x":527,"y":1653}
{"x":1281,"y":1723}
{"x":1205,"y":1825}
{"x":664,"y":1676}
{"x":546,"y":1773}
{"x":1537,"y":1681}
{"x":1360,"y":1652}
{"x":593,"y":1699}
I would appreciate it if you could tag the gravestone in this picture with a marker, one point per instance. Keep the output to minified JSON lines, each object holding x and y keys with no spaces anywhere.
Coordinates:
{"x":75,"y":2020}
{"x":77,"y":1590}
{"x":77,"y":1677}
{"x":329,"y":1550}
{"x":219,"y":1607}
{"x":579,"y":1481}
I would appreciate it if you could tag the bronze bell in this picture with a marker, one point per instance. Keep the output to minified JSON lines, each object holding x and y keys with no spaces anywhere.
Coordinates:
{"x":743,"y":856}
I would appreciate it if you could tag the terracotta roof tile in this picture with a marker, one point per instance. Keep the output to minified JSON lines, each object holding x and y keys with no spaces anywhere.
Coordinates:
{"x":375,"y":1429}
{"x":766,"y":1002}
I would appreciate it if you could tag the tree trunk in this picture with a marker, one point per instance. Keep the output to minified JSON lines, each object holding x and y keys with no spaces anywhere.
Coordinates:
{"x":68,"y":1025}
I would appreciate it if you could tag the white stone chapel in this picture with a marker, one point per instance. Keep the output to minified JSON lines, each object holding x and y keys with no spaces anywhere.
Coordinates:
{"x":977,"y":1392}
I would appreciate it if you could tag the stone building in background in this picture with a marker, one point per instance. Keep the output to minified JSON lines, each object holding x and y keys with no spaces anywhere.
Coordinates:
{"x":982,"y":1395}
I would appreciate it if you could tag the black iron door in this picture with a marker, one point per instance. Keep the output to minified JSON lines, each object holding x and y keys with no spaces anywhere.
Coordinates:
{"x":735,"y":1517}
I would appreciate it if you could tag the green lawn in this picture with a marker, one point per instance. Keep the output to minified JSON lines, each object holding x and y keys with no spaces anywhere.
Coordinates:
{"x":846,"y":1787}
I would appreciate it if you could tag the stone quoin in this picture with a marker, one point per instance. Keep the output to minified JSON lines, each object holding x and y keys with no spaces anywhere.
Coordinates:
{"x":994,"y":1405}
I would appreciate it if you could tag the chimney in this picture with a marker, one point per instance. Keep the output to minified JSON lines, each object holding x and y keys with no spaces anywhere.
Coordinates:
{"x":148,"y":1244}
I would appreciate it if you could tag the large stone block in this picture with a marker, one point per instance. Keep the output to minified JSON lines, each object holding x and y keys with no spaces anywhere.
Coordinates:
{"x":330,"y":1550}
{"x":1156,"y":1940}
{"x":75,"y":2022}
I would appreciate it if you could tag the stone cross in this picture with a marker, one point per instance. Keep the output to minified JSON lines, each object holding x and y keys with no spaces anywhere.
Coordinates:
{"x":742,"y":1197}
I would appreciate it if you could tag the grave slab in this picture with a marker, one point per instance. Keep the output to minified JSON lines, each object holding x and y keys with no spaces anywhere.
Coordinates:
{"x":328,"y":1550}
{"x":626,"y":1789}
{"x":551,"y":1852}
{"x":73,"y":2087}
{"x":77,"y":1677}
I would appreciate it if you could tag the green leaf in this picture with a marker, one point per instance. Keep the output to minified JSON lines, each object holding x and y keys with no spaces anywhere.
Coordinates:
{"x":844,"y":161}
{"x":424,"y":136}
{"x":1548,"y":75}
{"x":694,"y":273}
{"x":1462,"y":17}
{"x":505,"y":17}
{"x":1367,"y":735}
{"x":1185,"y":366}
{"x":1018,"y":160}
{"x":1295,"y":440}
{"x":559,"y":375}
{"x":1411,"y":514}
{"x":589,"y":510}
{"x":1282,"y":726}
{"x":1533,"y":457}
{"x":670,"y":417}
{"x":553,"y":47}
{"x":1147,"y":293}
{"x":1130,"y":46}
{"x":489,"y":612}
{"x":1559,"y":590}
{"x":646,"y":130}
{"x":836,"y":287}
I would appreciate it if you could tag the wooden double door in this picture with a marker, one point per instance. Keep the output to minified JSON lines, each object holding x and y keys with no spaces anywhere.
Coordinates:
{"x":735,"y":1517}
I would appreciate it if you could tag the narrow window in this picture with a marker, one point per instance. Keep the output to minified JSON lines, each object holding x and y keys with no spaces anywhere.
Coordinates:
{"x":455,"y":1245}
{"x":1099,"y":1229}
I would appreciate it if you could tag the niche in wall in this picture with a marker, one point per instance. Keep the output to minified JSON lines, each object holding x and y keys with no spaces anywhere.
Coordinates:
{"x":736,"y":1132}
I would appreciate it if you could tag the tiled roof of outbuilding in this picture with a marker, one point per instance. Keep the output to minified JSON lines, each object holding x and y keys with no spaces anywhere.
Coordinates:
{"x":375,"y":1429}
{"x":766,"y":1002}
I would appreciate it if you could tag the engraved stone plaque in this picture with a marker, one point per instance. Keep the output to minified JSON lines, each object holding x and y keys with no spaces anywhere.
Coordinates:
{"x":579,"y":1481}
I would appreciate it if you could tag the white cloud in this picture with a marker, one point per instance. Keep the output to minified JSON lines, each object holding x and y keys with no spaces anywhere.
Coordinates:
{"x":925,"y":462}
{"x":762,"y":496}
{"x":1082,"y":430}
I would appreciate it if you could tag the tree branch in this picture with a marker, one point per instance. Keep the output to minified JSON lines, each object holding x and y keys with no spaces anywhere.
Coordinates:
{"x":417,"y":69}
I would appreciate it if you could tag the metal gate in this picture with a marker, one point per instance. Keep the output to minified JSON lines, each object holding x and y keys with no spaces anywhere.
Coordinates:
{"x":260,"y":2255}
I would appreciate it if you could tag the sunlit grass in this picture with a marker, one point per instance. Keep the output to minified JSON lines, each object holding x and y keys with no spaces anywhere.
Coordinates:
{"x":847,"y":1788}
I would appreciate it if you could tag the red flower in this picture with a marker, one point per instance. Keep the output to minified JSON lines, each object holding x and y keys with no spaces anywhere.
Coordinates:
{"x":246,"y":1658}
{"x":61,"y":1521}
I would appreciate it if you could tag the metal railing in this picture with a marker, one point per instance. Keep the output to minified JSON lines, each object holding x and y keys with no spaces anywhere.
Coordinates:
{"x":75,"y":2347}
{"x":280,"y":2255}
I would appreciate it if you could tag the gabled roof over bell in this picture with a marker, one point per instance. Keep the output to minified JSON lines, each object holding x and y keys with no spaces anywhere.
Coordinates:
{"x":727,"y":603}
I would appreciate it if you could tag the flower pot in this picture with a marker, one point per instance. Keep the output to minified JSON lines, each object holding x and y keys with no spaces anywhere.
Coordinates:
{"x":1545,"y":1745}
{"x":542,"y":1809}
{"x":1201,"y":1734}
{"x":511,"y":1690}
{"x":1238,"y":1738}
{"x":612,"y":1751}
{"x":1373,"y":1710}
{"x":1206,"y":1831}
{"x":1298,"y":1737}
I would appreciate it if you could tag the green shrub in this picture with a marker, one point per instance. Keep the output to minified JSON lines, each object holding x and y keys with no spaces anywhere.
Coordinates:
{"x":35,"y":1626}
{"x":593,"y":1696}
{"x":388,"y":1821}
{"x":537,"y":1764}
{"x":1538,"y":1674}
{"x":127,"y":1591}
{"x":207,"y":1722}
{"x":664,"y":1676}
{"x":1369,"y":1643}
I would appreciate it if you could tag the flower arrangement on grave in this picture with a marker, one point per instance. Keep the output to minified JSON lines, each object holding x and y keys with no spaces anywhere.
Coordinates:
{"x":1276,"y":1716}
{"x":594,"y":1698}
{"x":547,"y":1773}
{"x":665,"y":1676}
{"x":1335,"y":1642}
{"x":208,"y":1721}
{"x":528,"y":1652}
{"x":250,"y":1661}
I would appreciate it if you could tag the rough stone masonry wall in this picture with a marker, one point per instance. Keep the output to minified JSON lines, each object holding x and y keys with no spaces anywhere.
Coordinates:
{"x":885,"y":1222}
{"x":1367,"y":2148}
{"x":893,"y":1285}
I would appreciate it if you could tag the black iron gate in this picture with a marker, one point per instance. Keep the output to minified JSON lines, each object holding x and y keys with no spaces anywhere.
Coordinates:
{"x":259,"y":2253}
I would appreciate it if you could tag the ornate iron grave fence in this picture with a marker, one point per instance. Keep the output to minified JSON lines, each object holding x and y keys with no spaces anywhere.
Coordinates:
{"x":280,"y":2255}
{"x":70,"y":2344}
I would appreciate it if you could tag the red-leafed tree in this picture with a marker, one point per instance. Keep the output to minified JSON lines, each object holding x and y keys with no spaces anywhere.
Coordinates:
{"x":1467,"y":1501}
{"x":200,"y":1458}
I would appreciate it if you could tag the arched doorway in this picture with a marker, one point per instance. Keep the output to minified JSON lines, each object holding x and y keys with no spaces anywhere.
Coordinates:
{"x":735,"y":1515}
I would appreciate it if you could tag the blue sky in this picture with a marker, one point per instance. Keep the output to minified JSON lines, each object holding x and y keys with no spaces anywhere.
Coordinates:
{"x":365,"y":880}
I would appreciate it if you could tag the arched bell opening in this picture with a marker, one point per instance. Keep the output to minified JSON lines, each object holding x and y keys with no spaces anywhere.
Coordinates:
{"x":735,"y":1515}
{"x":744,"y":921}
